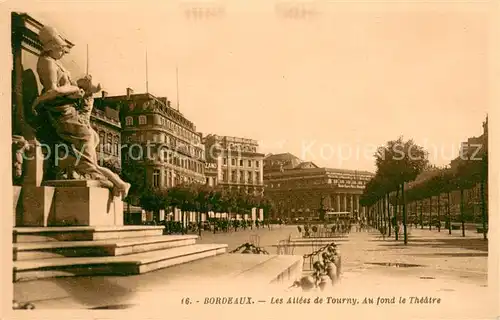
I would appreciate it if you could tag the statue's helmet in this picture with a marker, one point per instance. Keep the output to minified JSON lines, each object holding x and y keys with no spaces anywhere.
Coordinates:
{"x":51,"y":39}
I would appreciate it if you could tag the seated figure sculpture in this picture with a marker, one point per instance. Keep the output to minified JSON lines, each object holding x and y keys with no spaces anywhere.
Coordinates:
{"x":63,"y":114}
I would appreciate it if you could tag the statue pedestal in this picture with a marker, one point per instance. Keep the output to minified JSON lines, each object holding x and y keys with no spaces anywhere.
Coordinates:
{"x":70,"y":203}
{"x":16,"y":204}
{"x":37,"y":206}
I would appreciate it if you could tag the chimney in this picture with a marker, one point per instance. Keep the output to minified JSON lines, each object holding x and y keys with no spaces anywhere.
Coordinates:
{"x":104,"y":94}
{"x":168,"y":103}
{"x":130,"y":92}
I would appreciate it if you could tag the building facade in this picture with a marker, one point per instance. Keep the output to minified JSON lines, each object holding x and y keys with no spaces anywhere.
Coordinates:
{"x":106,"y":122}
{"x":159,"y":139}
{"x":237,"y":161}
{"x":301,"y":189}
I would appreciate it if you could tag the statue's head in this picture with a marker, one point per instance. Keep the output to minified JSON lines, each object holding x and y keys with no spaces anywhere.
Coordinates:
{"x":53,"y":43}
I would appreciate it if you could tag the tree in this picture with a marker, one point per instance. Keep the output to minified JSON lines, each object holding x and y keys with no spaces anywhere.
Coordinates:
{"x":153,"y":200}
{"x":136,"y":176}
{"x":398,"y":162}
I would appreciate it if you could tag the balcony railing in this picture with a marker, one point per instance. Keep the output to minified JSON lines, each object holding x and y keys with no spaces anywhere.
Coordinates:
{"x":101,"y":115}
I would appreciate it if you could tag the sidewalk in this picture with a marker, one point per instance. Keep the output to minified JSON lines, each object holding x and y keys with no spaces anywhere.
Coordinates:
{"x":437,"y":252}
{"x":450,"y":268}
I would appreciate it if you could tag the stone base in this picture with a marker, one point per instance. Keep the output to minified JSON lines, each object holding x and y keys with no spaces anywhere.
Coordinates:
{"x":16,"y":210}
{"x":70,"y":203}
{"x":37,"y":204}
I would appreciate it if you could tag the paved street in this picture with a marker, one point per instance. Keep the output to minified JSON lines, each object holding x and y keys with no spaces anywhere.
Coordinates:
{"x":448,"y":267}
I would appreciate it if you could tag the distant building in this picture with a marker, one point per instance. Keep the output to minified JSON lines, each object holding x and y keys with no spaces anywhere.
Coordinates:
{"x":159,"y":139}
{"x":106,"y":122}
{"x":301,"y":189}
{"x":472,"y":147}
{"x":238,"y":163}
{"x":211,"y":173}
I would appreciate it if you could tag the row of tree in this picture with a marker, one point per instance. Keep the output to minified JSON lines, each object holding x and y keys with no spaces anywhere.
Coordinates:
{"x":202,"y":199}
{"x":400,"y":162}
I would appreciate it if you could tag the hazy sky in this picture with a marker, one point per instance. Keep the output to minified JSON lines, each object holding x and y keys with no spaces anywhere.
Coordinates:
{"x":350,"y":75}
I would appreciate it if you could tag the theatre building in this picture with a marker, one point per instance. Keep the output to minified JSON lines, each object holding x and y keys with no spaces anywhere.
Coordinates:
{"x":301,"y":189}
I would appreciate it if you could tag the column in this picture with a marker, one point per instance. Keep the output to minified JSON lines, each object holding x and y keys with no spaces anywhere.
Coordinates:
{"x":357,"y":203}
{"x":338,"y":202}
{"x":351,"y":209}
{"x":345,"y":203}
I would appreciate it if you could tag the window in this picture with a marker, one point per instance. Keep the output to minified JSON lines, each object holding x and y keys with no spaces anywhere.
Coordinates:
{"x":233,"y":161}
{"x":142,"y":120}
{"x":250,"y":177}
{"x":224,"y":161}
{"x":242,"y":176}
{"x":129,"y":121}
{"x":224,"y":176}
{"x":116,"y":141}
{"x":249,"y":163}
{"x":101,"y":141}
{"x":156,"y":178}
{"x":233,"y":176}
{"x":257,"y":163}
{"x":109,"y":142}
{"x":241,"y":163}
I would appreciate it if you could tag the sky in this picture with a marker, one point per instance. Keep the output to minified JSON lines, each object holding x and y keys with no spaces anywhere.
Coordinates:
{"x":327,"y":86}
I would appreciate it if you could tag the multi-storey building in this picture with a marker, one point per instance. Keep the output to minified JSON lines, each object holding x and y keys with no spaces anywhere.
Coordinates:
{"x":237,"y":161}
{"x":158,"y":138}
{"x":106,"y":122}
{"x":211,"y":173}
{"x":473,"y":147}
{"x":301,"y":189}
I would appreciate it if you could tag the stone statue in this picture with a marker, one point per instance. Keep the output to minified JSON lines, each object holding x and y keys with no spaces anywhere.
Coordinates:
{"x":63,"y":114}
{"x":19,"y":148}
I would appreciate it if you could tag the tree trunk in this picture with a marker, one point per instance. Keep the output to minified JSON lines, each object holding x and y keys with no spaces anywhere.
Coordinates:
{"x":421,"y":214}
{"x":462,"y":211}
{"x":439,"y":212}
{"x":483,"y":209}
{"x":388,"y":208}
{"x":396,"y":212}
{"x":430,"y":213}
{"x":199,"y":223}
{"x":183,"y":222}
{"x":448,"y":211}
{"x":383,"y":214}
{"x":405,"y":230}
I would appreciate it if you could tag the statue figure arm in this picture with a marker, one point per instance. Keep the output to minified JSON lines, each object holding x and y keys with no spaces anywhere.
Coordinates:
{"x":47,"y":72}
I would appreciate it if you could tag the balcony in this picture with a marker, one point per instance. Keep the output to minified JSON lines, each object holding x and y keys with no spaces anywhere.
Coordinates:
{"x":101,"y":115}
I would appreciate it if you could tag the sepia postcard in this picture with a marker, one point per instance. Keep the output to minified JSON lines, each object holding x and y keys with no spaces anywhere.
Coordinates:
{"x":250,"y":159}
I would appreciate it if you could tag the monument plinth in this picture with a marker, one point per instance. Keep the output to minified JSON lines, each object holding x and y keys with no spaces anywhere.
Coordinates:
{"x":84,"y":203}
{"x":69,"y":203}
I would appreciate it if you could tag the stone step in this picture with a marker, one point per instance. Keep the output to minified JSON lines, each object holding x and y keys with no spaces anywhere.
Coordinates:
{"x":108,"y":247}
{"x":281,"y":267}
{"x":217,"y":276}
{"x":83,"y":233}
{"x":114,"y":265}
